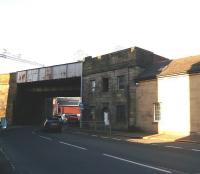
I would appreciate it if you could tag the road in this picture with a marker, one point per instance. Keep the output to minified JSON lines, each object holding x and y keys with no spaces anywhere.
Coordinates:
{"x":35,"y":152}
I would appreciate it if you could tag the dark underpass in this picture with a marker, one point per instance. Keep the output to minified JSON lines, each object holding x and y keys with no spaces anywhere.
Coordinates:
{"x":34,"y":99}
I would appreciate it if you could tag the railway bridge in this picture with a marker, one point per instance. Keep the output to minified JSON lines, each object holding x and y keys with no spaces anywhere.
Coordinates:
{"x":37,"y":87}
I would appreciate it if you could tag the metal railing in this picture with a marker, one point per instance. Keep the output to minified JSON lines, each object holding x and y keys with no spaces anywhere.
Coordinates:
{"x":97,"y":126}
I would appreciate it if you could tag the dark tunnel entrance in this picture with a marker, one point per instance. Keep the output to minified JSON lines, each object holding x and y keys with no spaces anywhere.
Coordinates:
{"x":34,"y":100}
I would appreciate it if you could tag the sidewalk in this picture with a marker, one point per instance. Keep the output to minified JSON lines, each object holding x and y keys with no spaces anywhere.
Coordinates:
{"x":193,"y":138}
{"x":142,"y":137}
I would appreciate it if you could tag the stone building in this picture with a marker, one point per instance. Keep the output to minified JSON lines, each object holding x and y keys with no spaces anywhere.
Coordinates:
{"x":109,"y":85}
{"x":168,"y":97}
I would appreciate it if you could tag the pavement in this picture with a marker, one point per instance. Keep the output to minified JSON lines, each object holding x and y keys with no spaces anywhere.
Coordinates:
{"x":143,"y":137}
{"x":193,"y":138}
{"x":136,"y":136}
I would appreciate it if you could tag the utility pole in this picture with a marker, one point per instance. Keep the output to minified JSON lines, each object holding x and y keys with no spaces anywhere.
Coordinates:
{"x":81,"y":97}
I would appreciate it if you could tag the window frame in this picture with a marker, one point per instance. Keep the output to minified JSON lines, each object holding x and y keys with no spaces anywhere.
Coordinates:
{"x":118,"y":82}
{"x":92,"y":86}
{"x":121,"y":119}
{"x":157,"y":111}
{"x":105,"y":84}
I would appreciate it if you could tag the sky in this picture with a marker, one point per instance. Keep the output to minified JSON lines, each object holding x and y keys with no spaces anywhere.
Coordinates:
{"x":60,"y":31}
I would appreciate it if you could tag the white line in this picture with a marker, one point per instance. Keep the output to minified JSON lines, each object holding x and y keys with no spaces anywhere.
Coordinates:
{"x":47,"y":138}
{"x":196,"y":150}
{"x":94,"y":135}
{"x":139,"y":164}
{"x":175,"y":147}
{"x":154,"y":144}
{"x":5,"y":155}
{"x":79,"y":147}
{"x":116,"y":139}
{"x":104,"y":137}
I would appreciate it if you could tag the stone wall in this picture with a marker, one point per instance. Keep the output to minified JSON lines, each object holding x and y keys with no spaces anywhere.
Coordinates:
{"x":194,"y":103}
{"x":129,"y":63}
{"x":4,"y":88}
{"x":113,"y":97}
{"x":120,"y":59}
{"x":8,"y":88}
{"x":146,"y":96}
{"x":11,"y":103}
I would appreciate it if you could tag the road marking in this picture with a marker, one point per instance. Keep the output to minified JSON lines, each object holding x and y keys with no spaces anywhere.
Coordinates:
{"x":118,"y":139}
{"x":94,"y":135}
{"x":154,"y":144}
{"x":139,"y":164}
{"x":196,"y":150}
{"x":104,"y":137}
{"x":79,"y":147}
{"x":7,"y":158}
{"x":47,"y":138}
{"x":175,"y":147}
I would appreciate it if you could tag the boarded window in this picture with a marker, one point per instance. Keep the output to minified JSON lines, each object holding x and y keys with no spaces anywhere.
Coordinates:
{"x":120,"y":113}
{"x":105,"y":84}
{"x":157,"y":115}
{"x":121,"y":82}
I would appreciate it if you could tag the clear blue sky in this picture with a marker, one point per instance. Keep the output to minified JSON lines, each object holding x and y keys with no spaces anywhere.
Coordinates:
{"x":61,"y":31}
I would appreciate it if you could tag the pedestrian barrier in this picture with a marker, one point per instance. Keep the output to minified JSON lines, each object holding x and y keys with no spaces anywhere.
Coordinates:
{"x":97,"y":126}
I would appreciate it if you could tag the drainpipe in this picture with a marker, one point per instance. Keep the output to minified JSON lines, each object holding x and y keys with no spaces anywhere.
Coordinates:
{"x":81,"y":96}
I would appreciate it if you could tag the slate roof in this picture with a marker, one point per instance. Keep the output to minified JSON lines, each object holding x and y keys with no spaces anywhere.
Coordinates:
{"x":182,"y":66}
{"x":187,"y":65}
{"x":152,"y":71}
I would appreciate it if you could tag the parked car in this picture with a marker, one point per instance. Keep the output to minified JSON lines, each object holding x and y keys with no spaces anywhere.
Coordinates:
{"x":71,"y":119}
{"x":53,"y":123}
{"x":59,"y":117}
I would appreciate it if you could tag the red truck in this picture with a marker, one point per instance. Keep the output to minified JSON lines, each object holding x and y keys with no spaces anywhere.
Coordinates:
{"x":69,"y":109}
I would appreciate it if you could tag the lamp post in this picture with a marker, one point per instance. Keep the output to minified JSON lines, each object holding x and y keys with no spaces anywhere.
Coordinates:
{"x":81,"y":96}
